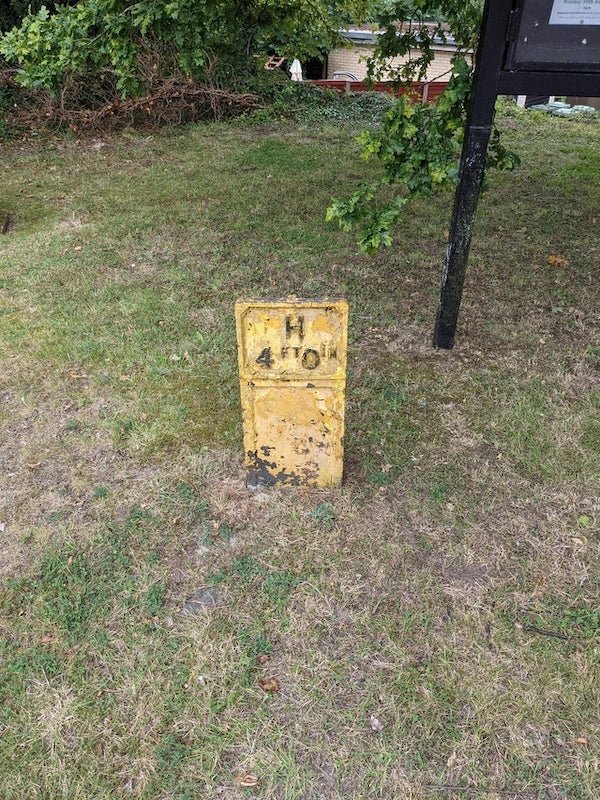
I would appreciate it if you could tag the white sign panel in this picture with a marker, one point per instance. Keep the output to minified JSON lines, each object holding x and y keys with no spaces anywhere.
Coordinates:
{"x":575,"y":12}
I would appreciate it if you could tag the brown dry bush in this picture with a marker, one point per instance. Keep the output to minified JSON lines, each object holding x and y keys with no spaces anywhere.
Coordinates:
{"x":83,"y":107}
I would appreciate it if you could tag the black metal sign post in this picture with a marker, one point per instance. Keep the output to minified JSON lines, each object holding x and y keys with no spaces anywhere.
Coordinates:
{"x":472,"y":166}
{"x":526,"y":47}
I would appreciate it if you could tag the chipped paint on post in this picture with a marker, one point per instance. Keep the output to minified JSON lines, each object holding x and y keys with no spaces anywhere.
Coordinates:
{"x":292,"y":362}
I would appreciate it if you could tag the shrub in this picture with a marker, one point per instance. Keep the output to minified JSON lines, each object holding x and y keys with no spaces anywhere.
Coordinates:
{"x":135,"y":42}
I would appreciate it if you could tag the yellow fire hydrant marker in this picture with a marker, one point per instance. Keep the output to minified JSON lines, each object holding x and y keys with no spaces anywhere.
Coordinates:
{"x":292,"y":362}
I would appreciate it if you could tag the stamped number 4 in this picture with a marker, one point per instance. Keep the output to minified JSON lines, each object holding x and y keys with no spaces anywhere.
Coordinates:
{"x":265,"y":359}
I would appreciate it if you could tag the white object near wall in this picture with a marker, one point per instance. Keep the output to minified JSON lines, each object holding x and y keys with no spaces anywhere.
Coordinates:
{"x":296,"y":70}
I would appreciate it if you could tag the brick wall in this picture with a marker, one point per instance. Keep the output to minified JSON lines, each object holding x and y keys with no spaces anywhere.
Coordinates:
{"x":352,"y":59}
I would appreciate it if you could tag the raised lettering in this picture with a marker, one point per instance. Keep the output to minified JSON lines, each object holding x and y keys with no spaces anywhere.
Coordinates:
{"x":296,"y":325}
{"x":311,"y":359}
{"x":265,"y":359}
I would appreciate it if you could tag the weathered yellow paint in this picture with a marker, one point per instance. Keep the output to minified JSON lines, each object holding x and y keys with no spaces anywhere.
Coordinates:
{"x":292,"y":362}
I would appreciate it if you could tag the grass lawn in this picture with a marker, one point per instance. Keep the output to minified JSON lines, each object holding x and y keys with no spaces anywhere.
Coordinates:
{"x":446,"y":595}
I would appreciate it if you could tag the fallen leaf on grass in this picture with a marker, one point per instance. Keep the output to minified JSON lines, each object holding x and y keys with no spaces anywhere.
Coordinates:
{"x":557,"y":261}
{"x":270,"y":685}
{"x":34,"y":465}
{"x":247,"y":780}
{"x":581,"y":740}
{"x":46,"y":639}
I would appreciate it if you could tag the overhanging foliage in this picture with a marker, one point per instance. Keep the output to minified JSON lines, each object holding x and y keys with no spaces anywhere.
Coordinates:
{"x":132,"y":42}
{"x":418,"y":145}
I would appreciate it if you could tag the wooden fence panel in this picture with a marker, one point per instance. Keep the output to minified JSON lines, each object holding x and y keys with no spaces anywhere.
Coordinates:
{"x":427,"y":92}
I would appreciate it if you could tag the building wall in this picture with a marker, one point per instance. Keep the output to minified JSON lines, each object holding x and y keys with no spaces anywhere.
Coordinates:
{"x":353,"y":59}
